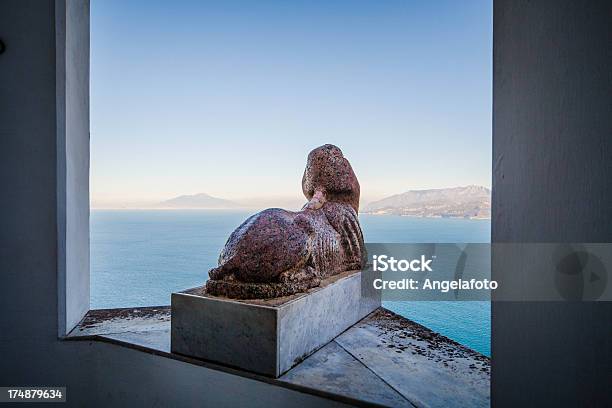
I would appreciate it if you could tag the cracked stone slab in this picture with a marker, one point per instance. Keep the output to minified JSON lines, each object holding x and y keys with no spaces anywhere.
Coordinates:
{"x":427,"y":368}
{"x":333,"y":370}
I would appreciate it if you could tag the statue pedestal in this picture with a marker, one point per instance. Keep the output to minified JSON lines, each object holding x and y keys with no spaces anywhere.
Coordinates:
{"x":268,"y":336}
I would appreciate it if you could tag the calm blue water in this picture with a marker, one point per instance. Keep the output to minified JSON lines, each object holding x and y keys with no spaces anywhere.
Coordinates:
{"x":139,"y":257}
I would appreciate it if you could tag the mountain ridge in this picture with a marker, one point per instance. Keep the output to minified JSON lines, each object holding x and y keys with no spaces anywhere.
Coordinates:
{"x":200,"y":200}
{"x":470,"y":201}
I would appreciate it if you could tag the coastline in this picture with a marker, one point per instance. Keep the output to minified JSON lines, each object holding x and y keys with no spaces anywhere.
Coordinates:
{"x":427,"y":216}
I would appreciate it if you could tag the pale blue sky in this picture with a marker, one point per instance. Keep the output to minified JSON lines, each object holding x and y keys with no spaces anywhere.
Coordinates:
{"x":228,"y":97}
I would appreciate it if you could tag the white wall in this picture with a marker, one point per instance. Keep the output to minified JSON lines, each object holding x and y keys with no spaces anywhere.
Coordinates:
{"x":42,"y":204}
{"x":72,"y":124}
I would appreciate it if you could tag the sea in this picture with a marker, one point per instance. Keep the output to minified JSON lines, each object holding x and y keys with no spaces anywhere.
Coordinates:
{"x":139,"y":257}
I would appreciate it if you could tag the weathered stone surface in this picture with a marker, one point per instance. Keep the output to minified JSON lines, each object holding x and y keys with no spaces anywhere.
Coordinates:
{"x":277,"y":252}
{"x":427,"y":368}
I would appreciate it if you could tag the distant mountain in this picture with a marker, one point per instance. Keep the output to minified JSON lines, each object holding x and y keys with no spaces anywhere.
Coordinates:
{"x":201,"y":200}
{"x":463,"y":202}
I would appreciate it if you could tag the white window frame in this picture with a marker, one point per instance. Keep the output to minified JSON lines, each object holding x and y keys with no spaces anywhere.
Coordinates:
{"x":72,"y":143}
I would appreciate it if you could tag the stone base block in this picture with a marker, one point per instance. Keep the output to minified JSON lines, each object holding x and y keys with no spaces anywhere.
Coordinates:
{"x":267,"y":336}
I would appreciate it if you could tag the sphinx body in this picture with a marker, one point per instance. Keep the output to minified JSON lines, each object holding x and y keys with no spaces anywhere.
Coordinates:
{"x":278,"y":253}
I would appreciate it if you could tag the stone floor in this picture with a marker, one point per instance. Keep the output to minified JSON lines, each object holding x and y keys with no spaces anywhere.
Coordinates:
{"x":383,"y":360}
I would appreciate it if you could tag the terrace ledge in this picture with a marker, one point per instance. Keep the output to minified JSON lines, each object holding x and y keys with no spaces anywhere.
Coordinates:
{"x":383,"y":360}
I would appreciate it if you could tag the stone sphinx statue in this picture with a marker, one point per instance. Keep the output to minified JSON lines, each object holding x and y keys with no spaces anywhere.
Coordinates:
{"x":278,"y":253}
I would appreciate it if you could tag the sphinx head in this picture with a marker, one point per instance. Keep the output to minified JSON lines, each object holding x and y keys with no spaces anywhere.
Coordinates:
{"x":329,"y":177}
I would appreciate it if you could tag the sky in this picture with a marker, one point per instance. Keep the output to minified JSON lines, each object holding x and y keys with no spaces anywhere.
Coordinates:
{"x":228,"y":97}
